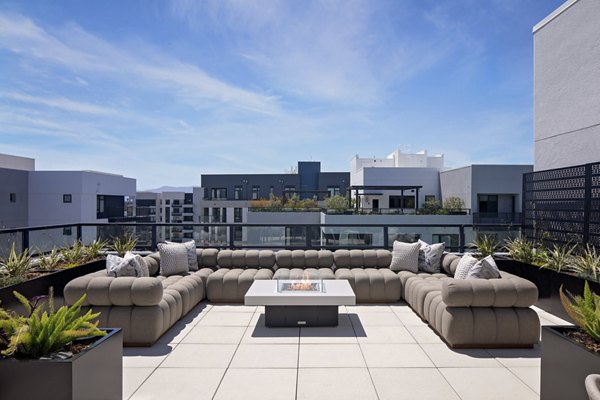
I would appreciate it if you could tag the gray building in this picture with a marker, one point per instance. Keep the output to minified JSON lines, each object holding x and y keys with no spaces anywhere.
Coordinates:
{"x":567,"y":86}
{"x":493,"y":193}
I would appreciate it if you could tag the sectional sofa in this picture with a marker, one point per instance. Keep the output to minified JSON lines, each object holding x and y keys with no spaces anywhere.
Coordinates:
{"x":464,"y":313}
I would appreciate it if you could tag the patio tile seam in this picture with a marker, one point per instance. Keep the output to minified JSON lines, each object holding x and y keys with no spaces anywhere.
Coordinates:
{"x":366,"y":364}
{"x":142,"y":383}
{"x":519,"y":378}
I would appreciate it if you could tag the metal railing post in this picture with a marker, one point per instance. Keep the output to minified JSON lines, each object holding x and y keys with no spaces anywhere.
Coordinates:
{"x":461,"y":239}
{"x":79,"y":235}
{"x":386,"y":238}
{"x":231,"y":237}
{"x":25,"y":240}
{"x":153,"y":240}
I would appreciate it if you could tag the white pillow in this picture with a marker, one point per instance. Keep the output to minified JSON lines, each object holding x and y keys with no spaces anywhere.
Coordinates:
{"x":173,"y":259}
{"x":484,"y":269}
{"x":191,"y":254}
{"x":405,"y":257}
{"x":430,"y":257}
{"x":464,"y":265}
{"x":130,"y":265}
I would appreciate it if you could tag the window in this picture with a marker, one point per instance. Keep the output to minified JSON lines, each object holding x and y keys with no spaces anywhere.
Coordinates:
{"x":67,"y":231}
{"x":99,"y":204}
{"x":396,"y":201}
{"x":67,"y":198}
{"x":216,"y":214}
{"x":255,"y":192}
{"x":188,"y":210}
{"x":238,"y":192}
{"x":205,"y":194}
{"x":175,"y":202}
{"x":333,"y":190}
{"x":168,"y":201}
{"x":188,"y":218}
{"x":219,"y":193}
{"x":188,"y":198}
{"x":488,"y":203}
{"x":237,"y":214}
{"x":224,"y":215}
{"x":13,"y":197}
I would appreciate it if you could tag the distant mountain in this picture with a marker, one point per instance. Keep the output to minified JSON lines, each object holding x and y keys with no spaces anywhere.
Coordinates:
{"x":186,"y":189}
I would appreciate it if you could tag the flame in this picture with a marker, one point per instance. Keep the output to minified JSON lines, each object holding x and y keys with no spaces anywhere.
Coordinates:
{"x":303,"y":284}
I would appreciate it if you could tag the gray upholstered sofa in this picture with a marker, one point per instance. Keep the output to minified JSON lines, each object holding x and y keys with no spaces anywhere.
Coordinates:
{"x":474,"y":312}
{"x":145,"y":308}
{"x":465,"y":313}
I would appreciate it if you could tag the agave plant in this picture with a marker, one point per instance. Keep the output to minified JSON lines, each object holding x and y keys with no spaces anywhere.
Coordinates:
{"x":17,"y":264}
{"x":524,"y":250}
{"x":75,"y":255}
{"x":560,"y":258}
{"x":587,"y":263}
{"x":93,"y":250}
{"x":585,"y":310}
{"x":123,"y":244}
{"x":44,"y":332}
{"x":486,"y":244}
{"x":50,"y":261}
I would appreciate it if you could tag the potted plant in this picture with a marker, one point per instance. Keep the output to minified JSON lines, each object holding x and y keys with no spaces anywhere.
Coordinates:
{"x":62,"y":350}
{"x":34,"y":276}
{"x":571,"y":353}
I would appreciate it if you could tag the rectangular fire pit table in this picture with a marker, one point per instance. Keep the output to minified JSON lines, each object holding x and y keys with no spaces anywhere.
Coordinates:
{"x":300,"y":303}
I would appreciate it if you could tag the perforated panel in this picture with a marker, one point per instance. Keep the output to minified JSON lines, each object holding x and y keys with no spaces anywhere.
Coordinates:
{"x":563,"y":205}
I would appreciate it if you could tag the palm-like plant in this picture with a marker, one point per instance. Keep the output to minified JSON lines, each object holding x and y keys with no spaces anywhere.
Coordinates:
{"x":75,"y":255}
{"x":94,"y":249}
{"x":559,"y":258}
{"x":17,"y":264}
{"x":486,"y":244}
{"x":123,"y":244}
{"x":585,"y":310}
{"x":587,"y":263}
{"x":524,"y":250}
{"x":50,"y":261}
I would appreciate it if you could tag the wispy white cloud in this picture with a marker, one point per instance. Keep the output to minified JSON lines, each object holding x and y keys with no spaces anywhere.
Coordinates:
{"x":60,"y":102}
{"x":77,"y":50}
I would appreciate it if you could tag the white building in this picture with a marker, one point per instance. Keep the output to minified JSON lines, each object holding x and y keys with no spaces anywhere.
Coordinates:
{"x":168,"y":208}
{"x":418,"y":173}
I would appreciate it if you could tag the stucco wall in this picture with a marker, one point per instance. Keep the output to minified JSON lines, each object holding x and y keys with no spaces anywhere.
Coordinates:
{"x":13,"y":215}
{"x":567,"y":87}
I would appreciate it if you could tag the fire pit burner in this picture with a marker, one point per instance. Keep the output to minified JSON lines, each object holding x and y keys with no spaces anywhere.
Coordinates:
{"x":300,"y":285}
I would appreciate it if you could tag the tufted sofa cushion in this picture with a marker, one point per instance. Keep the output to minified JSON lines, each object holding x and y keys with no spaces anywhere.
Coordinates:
{"x":449,"y":263}
{"x":509,"y":291}
{"x":231,"y":284}
{"x":304,"y":259}
{"x":362,"y":258}
{"x":246,"y":259}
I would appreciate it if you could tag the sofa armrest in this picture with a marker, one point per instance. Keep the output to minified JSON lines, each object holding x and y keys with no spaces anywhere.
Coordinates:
{"x":102,"y":290}
{"x":508,"y":291}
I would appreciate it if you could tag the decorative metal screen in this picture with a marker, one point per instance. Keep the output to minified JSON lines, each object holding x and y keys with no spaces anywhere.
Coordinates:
{"x":563,"y":205}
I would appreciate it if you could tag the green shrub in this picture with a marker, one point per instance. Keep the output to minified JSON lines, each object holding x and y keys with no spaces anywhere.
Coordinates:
{"x":44,"y":332}
{"x":524,"y":250}
{"x":430,"y":207}
{"x":585,"y":310}
{"x":337,"y":202}
{"x":454,"y":204}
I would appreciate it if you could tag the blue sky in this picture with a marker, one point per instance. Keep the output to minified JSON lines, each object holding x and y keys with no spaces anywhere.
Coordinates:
{"x":164,"y":91}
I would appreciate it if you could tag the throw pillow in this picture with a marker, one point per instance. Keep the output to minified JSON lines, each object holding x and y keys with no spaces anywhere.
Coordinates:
{"x":430,"y":257}
{"x":191,"y":254}
{"x":405,"y":257}
{"x":464,"y":266}
{"x":173,"y":259}
{"x":484,"y":269}
{"x":130,"y":265}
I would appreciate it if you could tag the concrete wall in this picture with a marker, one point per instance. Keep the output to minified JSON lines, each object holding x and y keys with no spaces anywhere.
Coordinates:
{"x":429,"y":178}
{"x":457,"y":183}
{"x":16,"y":162}
{"x":46,"y":189}
{"x":567,"y":86}
{"x":14,"y":215}
{"x":468,"y":182}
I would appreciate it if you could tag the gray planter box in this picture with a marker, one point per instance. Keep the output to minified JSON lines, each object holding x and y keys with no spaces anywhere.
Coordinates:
{"x":96,"y":373}
{"x":565,"y":365}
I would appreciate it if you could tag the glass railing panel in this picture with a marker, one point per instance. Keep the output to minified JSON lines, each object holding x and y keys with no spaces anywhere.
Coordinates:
{"x":450,"y":236}
{"x":7,"y":240}
{"x":265,"y":236}
{"x":352,"y":236}
{"x":44,"y":240}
